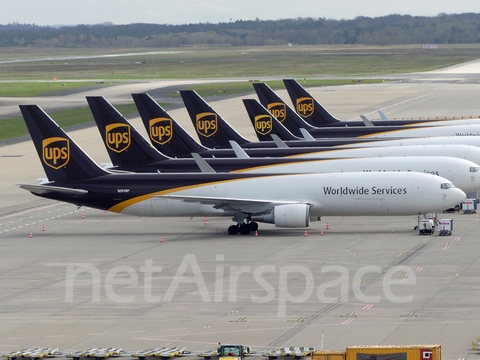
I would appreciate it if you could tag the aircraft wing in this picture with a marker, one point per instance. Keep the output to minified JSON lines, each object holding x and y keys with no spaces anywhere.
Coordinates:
{"x":249,"y":206}
{"x":44,"y":189}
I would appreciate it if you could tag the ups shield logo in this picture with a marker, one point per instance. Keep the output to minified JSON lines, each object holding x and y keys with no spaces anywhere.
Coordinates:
{"x":263,"y":124}
{"x":117,"y":137}
{"x":278,"y":110}
{"x":305,"y":106}
{"x":207,"y":124}
{"x":56,"y":152}
{"x":161,"y":130}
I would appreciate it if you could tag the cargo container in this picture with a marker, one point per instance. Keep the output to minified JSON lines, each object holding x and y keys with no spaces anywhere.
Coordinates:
{"x":469,"y":206}
{"x":445,"y":227}
{"x":382,"y":352}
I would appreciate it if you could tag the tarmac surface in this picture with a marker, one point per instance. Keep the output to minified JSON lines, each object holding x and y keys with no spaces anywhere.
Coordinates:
{"x":281,"y":288}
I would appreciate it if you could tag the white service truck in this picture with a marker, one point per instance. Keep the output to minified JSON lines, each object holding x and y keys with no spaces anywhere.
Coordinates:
{"x":426,"y":226}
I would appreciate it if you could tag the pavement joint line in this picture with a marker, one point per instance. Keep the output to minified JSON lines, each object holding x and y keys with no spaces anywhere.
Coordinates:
{"x":410,"y":255}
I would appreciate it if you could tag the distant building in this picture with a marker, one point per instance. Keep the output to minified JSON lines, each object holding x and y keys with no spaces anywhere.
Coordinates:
{"x":430,"y":46}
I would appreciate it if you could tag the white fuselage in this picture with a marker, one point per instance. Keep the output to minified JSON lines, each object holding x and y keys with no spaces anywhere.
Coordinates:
{"x":466,"y":152}
{"x":336,"y":194}
{"x":440,"y":140}
{"x":429,"y":131}
{"x":463,"y":173}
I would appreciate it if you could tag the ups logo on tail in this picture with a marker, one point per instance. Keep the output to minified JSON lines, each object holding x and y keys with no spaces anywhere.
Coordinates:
{"x":263,"y":124}
{"x":207,"y":124}
{"x":161,"y":130}
{"x":278,"y":110}
{"x":56,"y":152}
{"x":305,"y":106}
{"x":117,"y":137}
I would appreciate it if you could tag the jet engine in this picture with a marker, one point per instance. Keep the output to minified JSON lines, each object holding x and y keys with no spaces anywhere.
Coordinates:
{"x":289,"y":216}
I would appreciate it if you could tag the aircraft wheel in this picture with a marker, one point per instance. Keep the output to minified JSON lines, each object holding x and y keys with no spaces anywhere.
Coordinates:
{"x":244,"y":229}
{"x":252,"y":226}
{"x":232,"y":230}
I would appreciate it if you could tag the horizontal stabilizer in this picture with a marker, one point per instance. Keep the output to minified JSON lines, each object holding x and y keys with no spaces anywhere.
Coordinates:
{"x":306,"y":135}
{"x":383,"y":116}
{"x":45,"y":189}
{"x":202,"y":164}
{"x":239,"y":152}
{"x":366,"y":121}
{"x":279,"y":142}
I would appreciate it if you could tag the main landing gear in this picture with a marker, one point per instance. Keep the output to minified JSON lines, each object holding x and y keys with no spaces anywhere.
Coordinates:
{"x":243,"y":228}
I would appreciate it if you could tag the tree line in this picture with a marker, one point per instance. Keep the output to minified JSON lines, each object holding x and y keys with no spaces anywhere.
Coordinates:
{"x":391,"y":29}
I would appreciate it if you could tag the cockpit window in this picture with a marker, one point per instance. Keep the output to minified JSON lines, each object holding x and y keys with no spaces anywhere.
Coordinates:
{"x":474,"y":169}
{"x":447,"y":186}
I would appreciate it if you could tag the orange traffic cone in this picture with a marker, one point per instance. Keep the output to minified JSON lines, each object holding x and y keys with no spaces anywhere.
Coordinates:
{"x":256,"y":232}
{"x":327,"y":226}
{"x":83,"y":215}
{"x":43,"y":227}
{"x":205,"y":222}
{"x":321,"y":232}
{"x":161,"y":238}
{"x":305,"y":232}
{"x":216,"y":231}
{"x":31,"y":235}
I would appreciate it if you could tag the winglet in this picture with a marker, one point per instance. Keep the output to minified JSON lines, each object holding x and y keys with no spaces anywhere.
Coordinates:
{"x":366,"y":121}
{"x":202,"y":164}
{"x":239,"y":152}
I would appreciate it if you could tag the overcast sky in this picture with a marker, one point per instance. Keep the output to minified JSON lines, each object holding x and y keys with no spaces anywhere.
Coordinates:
{"x":73,"y":12}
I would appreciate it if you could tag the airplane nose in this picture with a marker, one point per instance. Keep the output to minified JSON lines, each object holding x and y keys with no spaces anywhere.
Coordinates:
{"x":460,"y":195}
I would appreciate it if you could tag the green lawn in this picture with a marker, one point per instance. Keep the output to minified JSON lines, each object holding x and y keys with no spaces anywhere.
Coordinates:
{"x":251,"y":63}
{"x":244,"y":87}
{"x":35,"y":88}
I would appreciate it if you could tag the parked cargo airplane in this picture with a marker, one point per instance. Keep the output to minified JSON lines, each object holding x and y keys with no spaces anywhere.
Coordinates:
{"x":294,"y":123}
{"x":438,"y":140}
{"x":316,"y":115}
{"x":130,"y":151}
{"x":168,"y":137}
{"x":285,"y":200}
{"x":458,"y":151}
{"x":215,"y":132}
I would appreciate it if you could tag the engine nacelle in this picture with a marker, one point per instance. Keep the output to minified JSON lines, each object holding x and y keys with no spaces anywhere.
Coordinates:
{"x":290,"y":216}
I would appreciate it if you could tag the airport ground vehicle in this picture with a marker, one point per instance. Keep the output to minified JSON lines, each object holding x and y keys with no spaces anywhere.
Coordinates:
{"x":228,"y":352}
{"x":382,"y":352}
{"x":445,"y":227}
{"x":426,"y":226}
